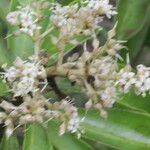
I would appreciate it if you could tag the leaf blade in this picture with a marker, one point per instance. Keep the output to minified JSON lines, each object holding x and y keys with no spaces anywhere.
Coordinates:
{"x":36,"y":138}
{"x":65,"y":141}
{"x":123,"y":129}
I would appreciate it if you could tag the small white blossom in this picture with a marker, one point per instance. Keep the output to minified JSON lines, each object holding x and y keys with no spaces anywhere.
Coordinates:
{"x":25,"y":18}
{"x":24,"y":77}
{"x":27,"y":21}
{"x":109,"y":96}
{"x":101,"y":7}
{"x":12,"y":18}
{"x":142,"y":84}
{"x":139,"y":81}
{"x":73,"y":19}
{"x":73,"y":124}
{"x":23,"y":87}
{"x":11,"y":74}
{"x":126,"y":79}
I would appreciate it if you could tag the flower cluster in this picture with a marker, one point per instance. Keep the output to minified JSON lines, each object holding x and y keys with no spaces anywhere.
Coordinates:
{"x":24,"y":18}
{"x":139,"y":80}
{"x":99,"y":71}
{"x":99,"y":86}
{"x":73,"y":19}
{"x":71,"y":120}
{"x":101,"y":7}
{"x":38,"y":109}
{"x":31,"y":110}
{"x":24,"y":77}
{"x":95,"y":69}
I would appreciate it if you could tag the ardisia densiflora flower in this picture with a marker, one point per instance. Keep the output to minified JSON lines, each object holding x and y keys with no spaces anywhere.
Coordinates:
{"x":25,"y":18}
{"x":94,"y":69}
{"x":24,"y":77}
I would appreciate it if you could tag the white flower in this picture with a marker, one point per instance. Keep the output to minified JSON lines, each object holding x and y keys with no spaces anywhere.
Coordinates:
{"x":25,"y":18}
{"x":27,"y":21}
{"x":126,"y":79}
{"x":142,"y":84}
{"x":24,"y":86}
{"x":109,"y":96}
{"x":101,"y":7}
{"x":29,"y":29}
{"x":24,"y":77}
{"x":104,"y":66}
{"x":30,"y":69}
{"x":73,"y":124}
{"x":11,"y":74}
{"x":12,"y":18}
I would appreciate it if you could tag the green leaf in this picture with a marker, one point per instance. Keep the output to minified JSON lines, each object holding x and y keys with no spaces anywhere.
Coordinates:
{"x":64,"y":2}
{"x":9,"y":144}
{"x":25,"y":2}
{"x":13,"y":5}
{"x":132,"y":15}
{"x":147,"y":41}
{"x":137,"y":102}
{"x":21,"y":46}
{"x":3,"y":8}
{"x":66,"y":141}
{"x":4,"y":56}
{"x":36,"y":138}
{"x":135,"y":43}
{"x":123,"y":129}
{"x":3,"y":89}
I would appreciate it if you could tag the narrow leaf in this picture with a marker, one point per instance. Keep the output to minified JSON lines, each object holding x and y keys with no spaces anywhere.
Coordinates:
{"x":123,"y":129}
{"x":66,"y":141}
{"x":132,"y":15}
{"x":9,"y":144}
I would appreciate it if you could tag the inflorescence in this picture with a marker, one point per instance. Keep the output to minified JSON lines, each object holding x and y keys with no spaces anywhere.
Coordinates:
{"x":95,"y":71}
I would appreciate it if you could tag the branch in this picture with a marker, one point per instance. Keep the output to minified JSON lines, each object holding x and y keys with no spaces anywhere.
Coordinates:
{"x":64,"y":72}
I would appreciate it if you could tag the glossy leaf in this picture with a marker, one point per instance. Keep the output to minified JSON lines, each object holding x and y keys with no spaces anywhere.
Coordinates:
{"x":3,"y":89}
{"x":147,"y":41}
{"x":21,"y":46}
{"x":36,"y":138}
{"x":123,"y":129}
{"x":137,"y":102}
{"x":132,"y":15}
{"x":4,"y":56}
{"x":66,"y":141}
{"x":9,"y":144}
{"x":4,"y":59}
{"x":135,"y":43}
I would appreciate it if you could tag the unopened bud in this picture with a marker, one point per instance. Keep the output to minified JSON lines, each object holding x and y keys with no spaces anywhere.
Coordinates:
{"x":88,"y":105}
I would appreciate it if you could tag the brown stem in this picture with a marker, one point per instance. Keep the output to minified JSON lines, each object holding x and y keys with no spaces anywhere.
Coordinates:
{"x":64,"y":72}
